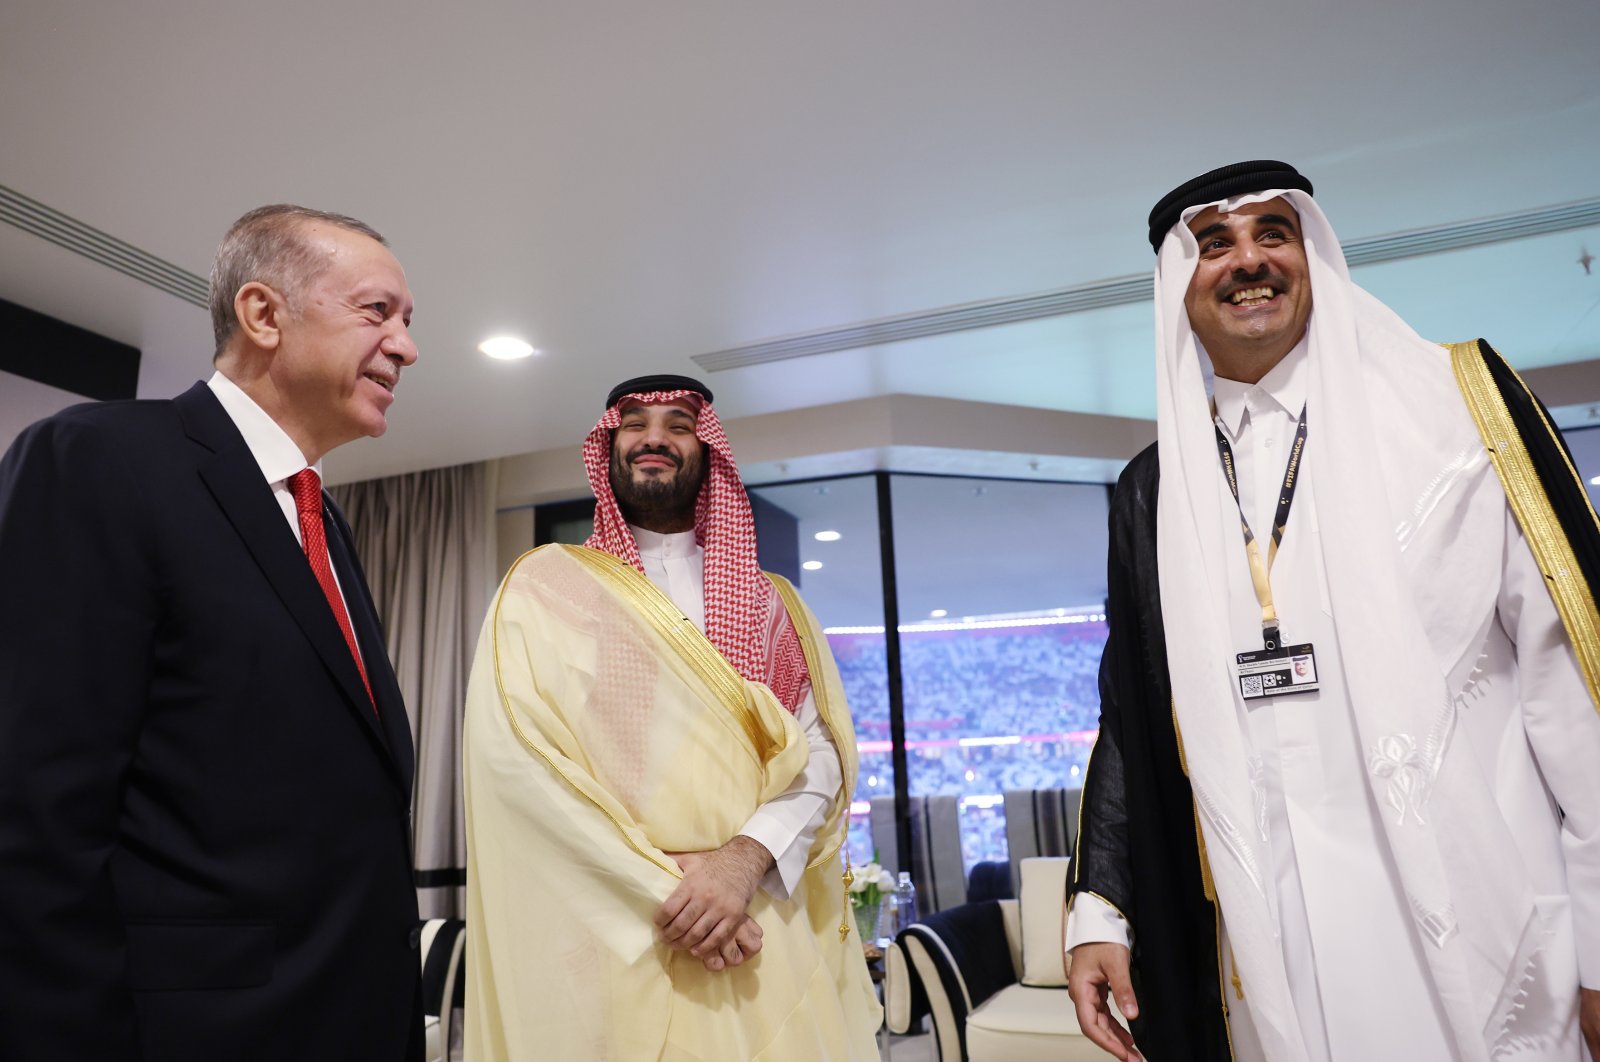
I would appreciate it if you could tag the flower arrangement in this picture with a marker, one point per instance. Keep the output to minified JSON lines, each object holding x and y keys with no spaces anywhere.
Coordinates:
{"x":869,"y":884}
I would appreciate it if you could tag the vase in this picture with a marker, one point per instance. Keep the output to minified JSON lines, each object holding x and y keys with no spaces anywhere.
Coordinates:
{"x":867,"y":915}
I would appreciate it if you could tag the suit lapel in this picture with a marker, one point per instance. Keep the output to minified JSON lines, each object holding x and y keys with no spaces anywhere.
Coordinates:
{"x":231,"y":474}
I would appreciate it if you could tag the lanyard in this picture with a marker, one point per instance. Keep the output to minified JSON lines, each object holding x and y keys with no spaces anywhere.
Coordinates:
{"x":1261,"y":570}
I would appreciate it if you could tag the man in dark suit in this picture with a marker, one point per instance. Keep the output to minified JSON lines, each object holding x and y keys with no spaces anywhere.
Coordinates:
{"x":205,"y":764}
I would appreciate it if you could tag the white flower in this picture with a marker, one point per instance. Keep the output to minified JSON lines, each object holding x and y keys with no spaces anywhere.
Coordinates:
{"x":866,"y":877}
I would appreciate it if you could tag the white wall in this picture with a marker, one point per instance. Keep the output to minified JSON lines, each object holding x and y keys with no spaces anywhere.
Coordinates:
{"x":22,"y":401}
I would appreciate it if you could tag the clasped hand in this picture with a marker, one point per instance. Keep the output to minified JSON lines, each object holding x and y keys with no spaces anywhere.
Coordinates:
{"x":707,"y":915}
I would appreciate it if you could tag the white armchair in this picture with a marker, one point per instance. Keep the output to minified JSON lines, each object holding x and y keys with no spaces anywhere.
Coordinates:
{"x":991,"y":977}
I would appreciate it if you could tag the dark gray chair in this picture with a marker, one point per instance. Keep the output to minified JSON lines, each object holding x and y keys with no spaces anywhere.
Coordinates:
{"x":937,"y":867}
{"x":1040,"y":822}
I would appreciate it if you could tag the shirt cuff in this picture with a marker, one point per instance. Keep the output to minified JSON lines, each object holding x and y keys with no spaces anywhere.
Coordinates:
{"x":1093,"y":921}
{"x":780,"y":826}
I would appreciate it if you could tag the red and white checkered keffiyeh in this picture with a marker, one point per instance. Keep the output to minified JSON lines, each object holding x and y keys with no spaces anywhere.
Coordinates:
{"x":739,"y":599}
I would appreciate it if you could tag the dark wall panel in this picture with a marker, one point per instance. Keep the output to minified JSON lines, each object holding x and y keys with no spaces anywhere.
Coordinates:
{"x":52,"y":352}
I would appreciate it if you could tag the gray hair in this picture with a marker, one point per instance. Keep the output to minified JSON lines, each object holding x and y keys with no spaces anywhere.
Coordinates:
{"x":268,"y":245}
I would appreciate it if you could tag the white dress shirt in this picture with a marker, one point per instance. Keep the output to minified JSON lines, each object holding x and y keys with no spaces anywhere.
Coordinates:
{"x":276,"y":454}
{"x":786,"y":825}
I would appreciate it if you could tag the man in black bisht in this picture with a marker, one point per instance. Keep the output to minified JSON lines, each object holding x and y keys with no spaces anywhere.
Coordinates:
{"x":1343,"y":801}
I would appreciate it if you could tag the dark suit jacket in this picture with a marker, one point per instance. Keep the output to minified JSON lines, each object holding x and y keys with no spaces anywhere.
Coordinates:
{"x":204,"y":827}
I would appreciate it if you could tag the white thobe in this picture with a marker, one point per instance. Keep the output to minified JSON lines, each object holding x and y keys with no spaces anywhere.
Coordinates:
{"x":786,"y":825}
{"x":1357,"y":972}
{"x":1355,"y":966}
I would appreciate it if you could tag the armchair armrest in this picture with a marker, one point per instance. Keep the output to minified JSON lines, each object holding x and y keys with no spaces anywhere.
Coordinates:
{"x":904,"y":1001}
{"x":955,"y":960}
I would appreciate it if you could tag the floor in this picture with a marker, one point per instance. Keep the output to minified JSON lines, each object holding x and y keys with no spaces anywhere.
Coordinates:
{"x":912,"y":1048}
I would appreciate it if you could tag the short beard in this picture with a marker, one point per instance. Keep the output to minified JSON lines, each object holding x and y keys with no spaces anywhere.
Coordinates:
{"x":658,"y":502}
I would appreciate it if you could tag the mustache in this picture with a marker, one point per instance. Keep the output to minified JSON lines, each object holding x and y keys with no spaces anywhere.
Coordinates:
{"x":1263,"y":277}
{"x":654,"y":451}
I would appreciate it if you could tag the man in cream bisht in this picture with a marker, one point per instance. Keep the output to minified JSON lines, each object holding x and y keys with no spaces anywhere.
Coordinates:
{"x":1344,"y":805}
{"x":659,"y":761}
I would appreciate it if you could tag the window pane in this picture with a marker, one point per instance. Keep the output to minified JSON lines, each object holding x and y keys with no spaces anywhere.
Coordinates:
{"x":1001,"y":591}
{"x":846,"y":593}
{"x":1585,"y":446}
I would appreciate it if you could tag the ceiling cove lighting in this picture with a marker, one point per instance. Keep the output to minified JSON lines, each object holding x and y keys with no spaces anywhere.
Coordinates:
{"x":812,"y":566}
{"x":827,"y":536}
{"x":506,"y":348}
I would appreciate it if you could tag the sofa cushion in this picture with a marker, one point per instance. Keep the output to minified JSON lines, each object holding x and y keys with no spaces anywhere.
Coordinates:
{"x":1021,"y":1024}
{"x":1043,"y":901}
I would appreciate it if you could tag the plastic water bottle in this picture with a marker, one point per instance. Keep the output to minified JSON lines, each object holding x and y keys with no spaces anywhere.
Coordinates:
{"x":905,"y":902}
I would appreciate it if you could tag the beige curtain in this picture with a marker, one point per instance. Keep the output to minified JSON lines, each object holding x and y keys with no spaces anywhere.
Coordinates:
{"x":425,"y":540}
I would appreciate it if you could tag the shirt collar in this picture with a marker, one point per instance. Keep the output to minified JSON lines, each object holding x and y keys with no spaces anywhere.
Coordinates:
{"x":1284,"y":387}
{"x":677,"y":544}
{"x":275,"y":453}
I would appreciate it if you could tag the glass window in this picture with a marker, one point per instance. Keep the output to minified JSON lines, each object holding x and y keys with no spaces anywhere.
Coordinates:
{"x":833,"y":527}
{"x":1585,"y":446}
{"x":569,"y":522}
{"x":1001,"y":587}
{"x":1001,"y":591}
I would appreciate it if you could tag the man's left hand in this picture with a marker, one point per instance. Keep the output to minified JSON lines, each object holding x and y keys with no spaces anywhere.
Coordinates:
{"x":1589,"y":1019}
{"x":745,"y":944}
{"x":710,"y":903}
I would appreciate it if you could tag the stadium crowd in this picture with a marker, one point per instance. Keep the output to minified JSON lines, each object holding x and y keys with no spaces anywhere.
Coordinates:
{"x":987,"y":709}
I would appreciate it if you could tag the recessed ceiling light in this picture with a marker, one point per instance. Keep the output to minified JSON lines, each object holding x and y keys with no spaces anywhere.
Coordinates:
{"x":506,"y":348}
{"x":1595,"y":482}
{"x":938,"y":613}
{"x":827,"y":536}
{"x":811,"y":566}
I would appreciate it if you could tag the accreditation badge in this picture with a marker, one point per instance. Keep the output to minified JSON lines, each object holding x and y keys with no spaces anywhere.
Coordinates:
{"x":1277,"y":672}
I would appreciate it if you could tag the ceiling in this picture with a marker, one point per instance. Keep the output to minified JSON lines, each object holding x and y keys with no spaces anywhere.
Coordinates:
{"x":628,"y":185}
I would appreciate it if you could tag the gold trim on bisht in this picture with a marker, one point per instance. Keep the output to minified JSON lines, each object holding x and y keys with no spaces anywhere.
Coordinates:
{"x":1077,"y":837}
{"x":1208,"y":884}
{"x":844,"y":743}
{"x":808,"y":647}
{"x":826,"y":709}
{"x":682,"y":635}
{"x":1573,"y":597}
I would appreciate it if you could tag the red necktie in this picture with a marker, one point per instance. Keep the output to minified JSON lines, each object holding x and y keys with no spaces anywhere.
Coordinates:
{"x":307,"y":490}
